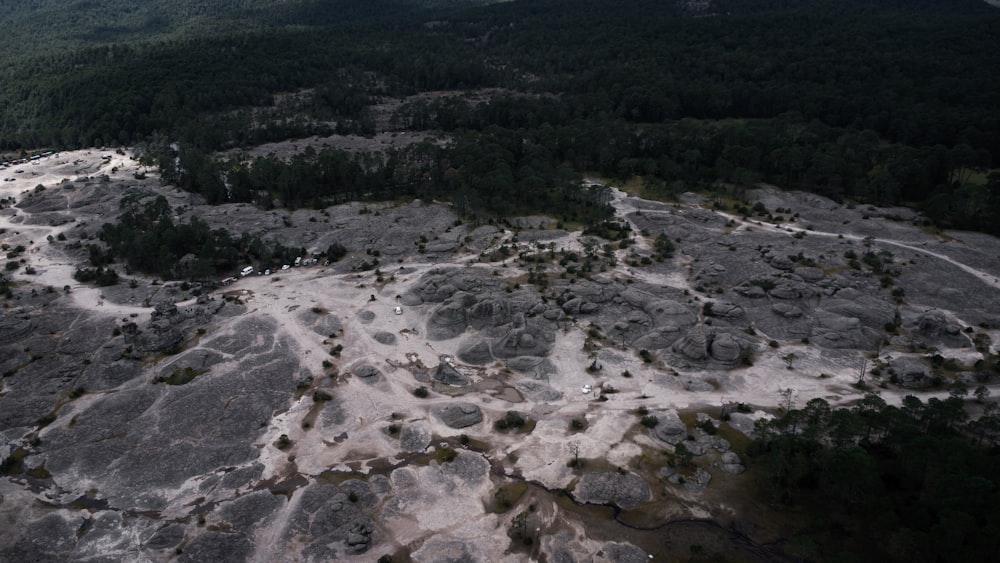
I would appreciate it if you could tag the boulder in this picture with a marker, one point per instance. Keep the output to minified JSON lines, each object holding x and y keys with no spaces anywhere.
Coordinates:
{"x":530,"y":340}
{"x":386,"y":338}
{"x":809,"y":274}
{"x":458,"y":415}
{"x":476,"y":353}
{"x":447,"y":374}
{"x":624,"y":553}
{"x":694,"y":345}
{"x":488,"y":313}
{"x":414,"y":438}
{"x":538,"y":392}
{"x":696,"y":482}
{"x":786,"y":310}
{"x":732,"y":464}
{"x":725,"y":349}
{"x":670,"y":428}
{"x":934,"y":328}
{"x":910,"y":373}
{"x":727,"y":310}
{"x":447,"y":321}
{"x":367,"y":372}
{"x":750,"y":291}
{"x":626,"y":490}
{"x":792,"y":290}
{"x":781,"y":262}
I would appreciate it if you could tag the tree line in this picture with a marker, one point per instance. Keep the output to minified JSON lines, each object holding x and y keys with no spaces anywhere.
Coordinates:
{"x":878,"y":482}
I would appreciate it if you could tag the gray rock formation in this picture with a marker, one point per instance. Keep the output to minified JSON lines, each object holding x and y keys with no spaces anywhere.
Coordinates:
{"x":538,"y":392}
{"x":933,"y":328}
{"x":531,"y":340}
{"x":447,"y":321}
{"x":489,"y":313}
{"x":624,"y":553}
{"x":447,"y":374}
{"x":414,"y":438}
{"x":458,"y":415}
{"x":367,"y":373}
{"x":911,"y":373}
{"x":732,"y":464}
{"x":703,"y":346}
{"x":387,"y":338}
{"x":670,"y":428}
{"x":330,"y":523}
{"x":626,"y":490}
{"x":476,"y":352}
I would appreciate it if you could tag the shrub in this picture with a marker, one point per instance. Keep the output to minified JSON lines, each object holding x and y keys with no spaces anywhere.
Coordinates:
{"x":421,"y":392}
{"x":512,"y":419}
{"x":283,"y":442}
{"x":707,"y":426}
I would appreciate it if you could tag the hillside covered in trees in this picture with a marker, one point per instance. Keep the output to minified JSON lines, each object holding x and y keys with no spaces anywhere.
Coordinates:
{"x":878,"y":101}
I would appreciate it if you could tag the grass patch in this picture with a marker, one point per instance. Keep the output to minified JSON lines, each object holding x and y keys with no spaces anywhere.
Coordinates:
{"x":445,"y":455}
{"x":506,"y":497}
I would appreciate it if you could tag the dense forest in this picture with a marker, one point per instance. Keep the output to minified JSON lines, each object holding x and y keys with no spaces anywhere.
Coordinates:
{"x":874,"y":100}
{"x":146,"y":239}
{"x":877,"y":482}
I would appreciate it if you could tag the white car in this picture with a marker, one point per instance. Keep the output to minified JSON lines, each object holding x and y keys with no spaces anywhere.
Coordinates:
{"x":285,"y":267}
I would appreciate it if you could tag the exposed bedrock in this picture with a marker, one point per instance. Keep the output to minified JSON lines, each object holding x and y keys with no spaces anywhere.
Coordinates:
{"x":447,"y":321}
{"x":935,"y":329}
{"x":536,"y":367}
{"x":488,"y":313}
{"x":702,"y":345}
{"x":626,"y":490}
{"x":383,"y":337}
{"x":669,"y":428}
{"x":414,"y":438}
{"x":329,"y":524}
{"x":530,"y":340}
{"x":458,"y":415}
{"x":447,"y":374}
{"x":475,"y":352}
{"x":833,"y":330}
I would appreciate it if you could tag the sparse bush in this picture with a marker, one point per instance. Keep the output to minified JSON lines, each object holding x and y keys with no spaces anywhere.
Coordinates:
{"x":708,"y":427}
{"x":421,"y":392}
{"x":283,"y":442}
